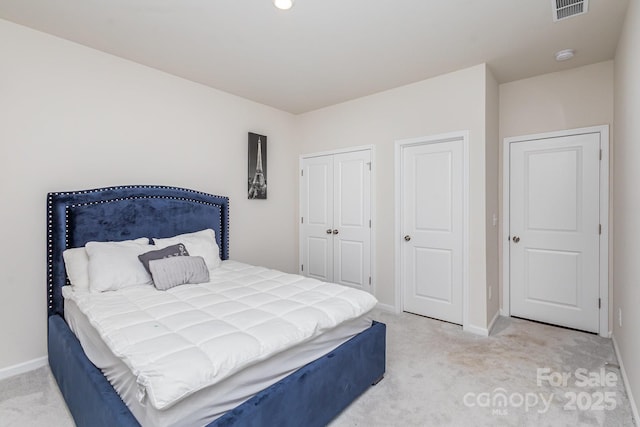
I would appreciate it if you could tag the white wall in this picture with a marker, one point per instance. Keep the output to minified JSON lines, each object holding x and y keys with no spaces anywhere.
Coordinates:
{"x":626,"y":199}
{"x":447,"y":103}
{"x":570,"y":99}
{"x":75,"y":118}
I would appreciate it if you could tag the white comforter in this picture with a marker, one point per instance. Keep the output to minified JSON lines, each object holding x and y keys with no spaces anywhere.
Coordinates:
{"x":179,"y":341}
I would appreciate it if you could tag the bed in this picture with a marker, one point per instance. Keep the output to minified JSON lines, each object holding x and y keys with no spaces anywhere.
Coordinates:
{"x":312,"y":395}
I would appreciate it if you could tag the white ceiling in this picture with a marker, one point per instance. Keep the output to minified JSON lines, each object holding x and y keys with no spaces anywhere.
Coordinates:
{"x":323,"y":52}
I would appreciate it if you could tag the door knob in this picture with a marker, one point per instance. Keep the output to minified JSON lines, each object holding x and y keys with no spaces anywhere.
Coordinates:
{"x":516,"y":239}
{"x":407,"y":238}
{"x":329,"y":231}
{"x":335,"y":231}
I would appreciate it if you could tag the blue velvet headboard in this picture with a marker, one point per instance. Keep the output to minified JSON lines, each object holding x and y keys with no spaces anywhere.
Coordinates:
{"x":122,"y":213}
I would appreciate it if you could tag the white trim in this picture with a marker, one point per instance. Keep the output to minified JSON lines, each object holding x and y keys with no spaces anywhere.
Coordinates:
{"x":337,"y":151}
{"x":603,"y":130}
{"x":476,"y":330}
{"x":372,"y":200}
{"x":493,"y":321}
{"x":21,"y":368}
{"x":506,"y":219}
{"x":399,"y":145}
{"x":386,"y":307}
{"x":300,"y":196}
{"x":604,"y":328}
{"x":485,"y":332}
{"x":397,"y":233}
{"x":372,"y":214}
{"x":625,"y":379}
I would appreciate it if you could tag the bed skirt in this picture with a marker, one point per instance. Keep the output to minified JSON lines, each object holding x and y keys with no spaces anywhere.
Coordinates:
{"x":311,"y":396}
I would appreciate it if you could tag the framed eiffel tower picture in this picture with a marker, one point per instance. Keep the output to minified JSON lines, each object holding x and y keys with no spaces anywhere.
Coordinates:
{"x":257,"y":182}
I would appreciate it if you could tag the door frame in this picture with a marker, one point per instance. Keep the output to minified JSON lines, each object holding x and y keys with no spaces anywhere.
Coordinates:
{"x":433,"y":139}
{"x":603,"y":130}
{"x":372,"y":200}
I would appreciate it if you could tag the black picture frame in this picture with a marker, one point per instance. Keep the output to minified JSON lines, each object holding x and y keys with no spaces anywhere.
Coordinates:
{"x":257,"y":176}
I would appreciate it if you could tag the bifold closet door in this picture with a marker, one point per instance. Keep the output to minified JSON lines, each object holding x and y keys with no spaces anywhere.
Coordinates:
{"x":316,"y":210}
{"x":352,"y":219}
{"x":336,"y":218}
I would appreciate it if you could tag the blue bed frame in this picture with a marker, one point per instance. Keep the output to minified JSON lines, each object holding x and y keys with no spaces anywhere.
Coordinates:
{"x":311,"y":396}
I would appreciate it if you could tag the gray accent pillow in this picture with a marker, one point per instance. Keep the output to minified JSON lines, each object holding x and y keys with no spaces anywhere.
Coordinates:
{"x":174,"y":271}
{"x":170,"y":251}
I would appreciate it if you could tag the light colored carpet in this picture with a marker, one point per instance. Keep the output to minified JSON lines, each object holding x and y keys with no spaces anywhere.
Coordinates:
{"x":437,"y":375}
{"x":32,"y":400}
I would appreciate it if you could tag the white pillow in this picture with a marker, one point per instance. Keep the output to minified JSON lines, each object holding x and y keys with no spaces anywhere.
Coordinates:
{"x":201,"y":243}
{"x":76,"y":262}
{"x":115,"y":265}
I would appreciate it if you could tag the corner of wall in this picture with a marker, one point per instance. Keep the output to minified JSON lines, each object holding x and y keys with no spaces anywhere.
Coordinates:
{"x":492,"y":191}
{"x":626,"y":246}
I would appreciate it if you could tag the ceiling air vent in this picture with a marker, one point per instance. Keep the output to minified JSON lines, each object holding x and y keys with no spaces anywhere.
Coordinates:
{"x":563,"y":9}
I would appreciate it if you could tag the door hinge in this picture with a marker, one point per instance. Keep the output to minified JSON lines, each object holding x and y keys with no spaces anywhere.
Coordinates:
{"x":601,"y":154}
{"x":369,"y":279}
{"x":599,"y":228}
{"x":599,"y":303}
{"x":369,"y":164}
{"x":369,"y":223}
{"x":301,"y":267}
{"x":301,"y":220}
{"x":301,"y":172}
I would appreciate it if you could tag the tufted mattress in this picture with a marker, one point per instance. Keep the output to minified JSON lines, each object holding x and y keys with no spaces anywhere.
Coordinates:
{"x":187,"y":355}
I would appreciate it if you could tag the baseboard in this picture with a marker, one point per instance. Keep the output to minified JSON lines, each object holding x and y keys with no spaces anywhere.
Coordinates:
{"x":477,"y":330}
{"x":386,"y":307}
{"x":493,"y":321}
{"x":625,"y":379}
{"x":21,"y":368}
{"x":504,"y":312}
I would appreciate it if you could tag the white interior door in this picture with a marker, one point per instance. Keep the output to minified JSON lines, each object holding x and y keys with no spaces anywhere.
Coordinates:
{"x":554,"y":230}
{"x":316,"y":210}
{"x":335,"y":206}
{"x":432,"y":214}
{"x":352,"y":219}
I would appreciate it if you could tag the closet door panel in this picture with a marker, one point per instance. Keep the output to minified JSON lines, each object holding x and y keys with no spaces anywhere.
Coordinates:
{"x":317,"y":218}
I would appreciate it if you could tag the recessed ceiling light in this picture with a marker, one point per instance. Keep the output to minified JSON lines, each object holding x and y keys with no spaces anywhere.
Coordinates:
{"x":565,"y":54}
{"x":283,"y":4}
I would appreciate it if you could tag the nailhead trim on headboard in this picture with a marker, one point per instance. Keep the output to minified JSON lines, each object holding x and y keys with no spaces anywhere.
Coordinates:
{"x":50,"y":214}
{"x":50,"y":251}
